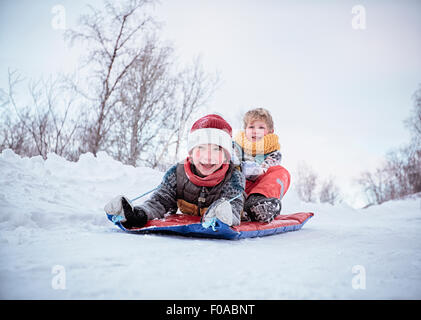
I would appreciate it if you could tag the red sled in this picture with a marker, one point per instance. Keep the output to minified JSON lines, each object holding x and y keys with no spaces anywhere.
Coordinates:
{"x":191,"y":226}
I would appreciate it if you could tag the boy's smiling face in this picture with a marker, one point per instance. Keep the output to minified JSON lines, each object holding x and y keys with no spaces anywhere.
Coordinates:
{"x":256,"y":130}
{"x":208,"y":158}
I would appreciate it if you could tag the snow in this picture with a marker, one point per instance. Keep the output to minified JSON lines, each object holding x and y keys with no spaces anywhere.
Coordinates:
{"x":56,"y":243}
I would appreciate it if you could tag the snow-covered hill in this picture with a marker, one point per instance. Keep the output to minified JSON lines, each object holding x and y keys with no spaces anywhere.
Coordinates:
{"x":56,"y":243}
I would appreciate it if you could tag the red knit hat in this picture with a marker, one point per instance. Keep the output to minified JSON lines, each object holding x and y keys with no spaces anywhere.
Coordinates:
{"x":211,"y":129}
{"x":212,"y":121}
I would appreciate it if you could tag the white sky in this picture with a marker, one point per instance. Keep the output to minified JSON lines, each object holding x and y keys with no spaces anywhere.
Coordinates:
{"x":338,"y":95}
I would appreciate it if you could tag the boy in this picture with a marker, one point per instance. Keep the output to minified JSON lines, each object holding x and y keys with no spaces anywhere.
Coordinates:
{"x":257,"y":148}
{"x":200,"y":185}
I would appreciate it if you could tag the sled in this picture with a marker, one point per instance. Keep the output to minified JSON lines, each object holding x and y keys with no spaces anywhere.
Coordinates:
{"x":191,"y":226}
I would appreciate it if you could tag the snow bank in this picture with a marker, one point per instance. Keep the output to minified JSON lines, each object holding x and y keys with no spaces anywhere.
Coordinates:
{"x":56,"y":243}
{"x":57,"y":192}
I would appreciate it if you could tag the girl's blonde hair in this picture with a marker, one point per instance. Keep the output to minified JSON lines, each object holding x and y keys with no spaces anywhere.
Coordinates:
{"x":258,"y":114}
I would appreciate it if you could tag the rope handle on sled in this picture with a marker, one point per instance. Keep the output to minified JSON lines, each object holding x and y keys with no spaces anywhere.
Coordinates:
{"x":142,"y":195}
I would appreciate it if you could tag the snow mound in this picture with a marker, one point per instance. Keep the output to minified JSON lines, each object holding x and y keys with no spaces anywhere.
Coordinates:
{"x":52,"y":225}
{"x":56,"y":192}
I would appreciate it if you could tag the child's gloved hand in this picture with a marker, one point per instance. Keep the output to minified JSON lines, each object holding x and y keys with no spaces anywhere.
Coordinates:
{"x":122,"y":210}
{"x":115,"y":207}
{"x":251,"y":169}
{"x":220,"y":209}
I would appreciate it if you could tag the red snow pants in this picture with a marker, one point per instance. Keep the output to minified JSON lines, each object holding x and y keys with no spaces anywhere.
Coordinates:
{"x":272,"y":184}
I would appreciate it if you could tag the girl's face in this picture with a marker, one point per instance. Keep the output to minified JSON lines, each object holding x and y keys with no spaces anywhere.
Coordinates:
{"x":256,"y":130}
{"x":208,"y":158}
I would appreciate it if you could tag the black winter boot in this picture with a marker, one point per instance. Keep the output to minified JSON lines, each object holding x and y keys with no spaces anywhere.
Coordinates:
{"x":260,"y":208}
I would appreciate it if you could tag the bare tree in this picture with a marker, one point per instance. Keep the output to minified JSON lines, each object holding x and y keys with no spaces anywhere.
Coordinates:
{"x":329,"y":192}
{"x":413,"y":123}
{"x":137,"y":102}
{"x":410,"y":170}
{"x":146,"y":96}
{"x":196,"y":88}
{"x":41,"y":126}
{"x":157,"y":103}
{"x":396,"y":169}
{"x":112,"y":37}
{"x":373,"y":186}
{"x":400,"y":175}
{"x":193,"y":89}
{"x":141,"y":104}
{"x":413,"y":151}
{"x":13,"y":134}
{"x":306,"y":183}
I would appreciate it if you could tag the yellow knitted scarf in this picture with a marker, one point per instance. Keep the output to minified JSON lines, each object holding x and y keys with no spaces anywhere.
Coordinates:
{"x":268,"y":144}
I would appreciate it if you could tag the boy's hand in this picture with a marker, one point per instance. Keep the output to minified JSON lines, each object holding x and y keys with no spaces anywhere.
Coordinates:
{"x":251,"y":169}
{"x":129,"y":216}
{"x":115,"y":207}
{"x":222,"y":210}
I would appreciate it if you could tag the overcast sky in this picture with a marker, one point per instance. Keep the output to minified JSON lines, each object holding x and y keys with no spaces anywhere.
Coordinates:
{"x":338,"y":95}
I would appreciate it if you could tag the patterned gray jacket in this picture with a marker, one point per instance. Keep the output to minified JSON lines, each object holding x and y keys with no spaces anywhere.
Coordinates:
{"x":167,"y":199}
